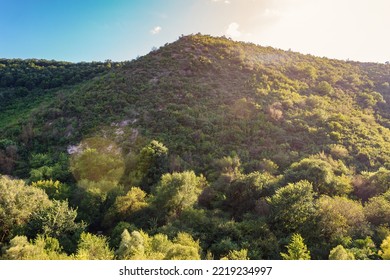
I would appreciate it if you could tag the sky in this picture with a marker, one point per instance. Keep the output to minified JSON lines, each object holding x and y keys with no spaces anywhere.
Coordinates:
{"x":119,"y":30}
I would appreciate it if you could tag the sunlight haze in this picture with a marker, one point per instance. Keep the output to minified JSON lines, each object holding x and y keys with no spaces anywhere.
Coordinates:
{"x":122,"y":30}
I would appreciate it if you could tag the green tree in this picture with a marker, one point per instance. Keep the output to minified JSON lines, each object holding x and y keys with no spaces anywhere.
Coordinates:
{"x":327,"y":176}
{"x":184,"y":248}
{"x":377,"y":209}
{"x":93,"y":247}
{"x":385,"y":249}
{"x":340,"y":253}
{"x":42,"y":248}
{"x":132,"y":246}
{"x":146,"y":169}
{"x":292,"y":206}
{"x":54,"y":189}
{"x":363,"y":249}
{"x":296,"y":249}
{"x":17,"y":203}
{"x":126,"y":207}
{"x":139,"y":245}
{"x":99,"y":165}
{"x":370,"y":184}
{"x":237,"y":255}
{"x":324,"y":88}
{"x":57,"y":221}
{"x":340,"y":218}
{"x":178,"y":191}
{"x":244,"y":191}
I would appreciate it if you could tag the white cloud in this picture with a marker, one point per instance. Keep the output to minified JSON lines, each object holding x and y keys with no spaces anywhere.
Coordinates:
{"x":232,"y":30}
{"x":156,"y":30}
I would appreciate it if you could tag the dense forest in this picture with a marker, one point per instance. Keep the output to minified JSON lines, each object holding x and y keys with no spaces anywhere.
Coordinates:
{"x":205,"y":148}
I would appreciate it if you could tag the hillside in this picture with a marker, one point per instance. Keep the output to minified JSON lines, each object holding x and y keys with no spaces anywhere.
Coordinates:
{"x":251,"y":133}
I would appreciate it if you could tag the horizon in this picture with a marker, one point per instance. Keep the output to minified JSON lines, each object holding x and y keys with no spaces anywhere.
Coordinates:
{"x":88,"y":31}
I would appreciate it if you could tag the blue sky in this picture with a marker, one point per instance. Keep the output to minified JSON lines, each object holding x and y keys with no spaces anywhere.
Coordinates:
{"x":96,"y":30}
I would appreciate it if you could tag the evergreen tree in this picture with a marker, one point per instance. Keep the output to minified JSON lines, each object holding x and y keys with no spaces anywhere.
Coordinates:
{"x":296,"y":249}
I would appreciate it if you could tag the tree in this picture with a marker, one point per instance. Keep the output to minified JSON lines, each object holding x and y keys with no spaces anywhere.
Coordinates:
{"x":385,"y":249}
{"x":145,"y":170}
{"x":184,"y":248}
{"x":292,"y":206}
{"x":58,"y":221}
{"x":324,"y":88}
{"x":377,"y":209}
{"x":93,"y":247}
{"x":363,"y":249}
{"x":340,"y":218}
{"x":370,"y":184}
{"x":139,"y":245}
{"x":327,"y":175}
{"x":296,"y":249}
{"x":229,"y":165}
{"x":127,"y":206}
{"x":17,"y":203}
{"x":54,"y":189}
{"x":132,"y":246}
{"x":243,"y":192}
{"x":100,"y":163}
{"x":340,"y":253}
{"x":237,"y":255}
{"x":178,"y":191}
{"x":42,"y":248}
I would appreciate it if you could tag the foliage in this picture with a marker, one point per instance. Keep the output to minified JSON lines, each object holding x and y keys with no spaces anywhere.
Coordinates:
{"x":328,"y":176}
{"x":18,"y":203}
{"x":377,"y":209}
{"x":292,"y":206}
{"x":296,"y":249}
{"x":126,"y":207}
{"x":139,"y":245}
{"x":340,"y":253}
{"x":42,"y":248}
{"x":340,"y":218}
{"x":237,"y":255}
{"x":385,"y":249}
{"x":54,"y":189}
{"x":151,"y":163}
{"x":100,"y":161}
{"x":57,"y":221}
{"x":93,"y":247}
{"x":178,"y":191}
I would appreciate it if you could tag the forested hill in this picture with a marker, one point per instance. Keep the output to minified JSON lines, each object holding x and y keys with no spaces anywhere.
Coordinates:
{"x":238,"y":146}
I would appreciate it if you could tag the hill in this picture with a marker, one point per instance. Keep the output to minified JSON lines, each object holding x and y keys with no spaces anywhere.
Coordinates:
{"x":261,"y":125}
